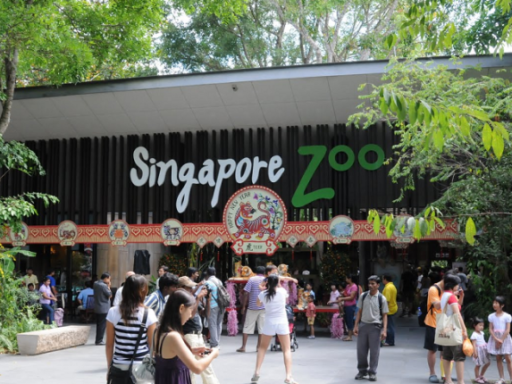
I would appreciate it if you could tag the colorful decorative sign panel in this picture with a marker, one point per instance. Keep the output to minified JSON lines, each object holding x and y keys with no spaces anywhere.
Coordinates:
{"x":254,"y":218}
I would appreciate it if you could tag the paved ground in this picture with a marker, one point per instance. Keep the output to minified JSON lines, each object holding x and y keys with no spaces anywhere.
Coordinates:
{"x":320,"y":361}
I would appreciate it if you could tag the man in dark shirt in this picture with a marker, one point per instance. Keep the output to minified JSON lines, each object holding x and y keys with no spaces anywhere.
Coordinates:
{"x":193,"y":328}
{"x":409,"y":284}
{"x":102,"y":295}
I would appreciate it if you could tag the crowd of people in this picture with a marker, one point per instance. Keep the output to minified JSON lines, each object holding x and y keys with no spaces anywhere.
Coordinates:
{"x":180,"y":323}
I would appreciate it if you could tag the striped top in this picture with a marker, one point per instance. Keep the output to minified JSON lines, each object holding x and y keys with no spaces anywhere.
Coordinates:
{"x":156,"y":301}
{"x":252,"y":287}
{"x":126,"y":335}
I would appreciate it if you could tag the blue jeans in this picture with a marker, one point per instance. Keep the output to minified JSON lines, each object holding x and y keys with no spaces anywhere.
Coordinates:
{"x":390,"y":338}
{"x":215,"y":325}
{"x":48,"y":311}
{"x":350,"y":310}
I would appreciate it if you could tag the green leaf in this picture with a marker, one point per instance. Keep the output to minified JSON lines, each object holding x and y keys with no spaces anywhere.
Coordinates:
{"x":498,"y":144}
{"x":413,"y":112}
{"x":401,"y":105}
{"x":439,"y":139}
{"x":464,"y":126}
{"x":383,"y":106}
{"x":487,"y":137}
{"x":470,"y":231}
{"x":376,"y":224}
{"x":440,"y":222}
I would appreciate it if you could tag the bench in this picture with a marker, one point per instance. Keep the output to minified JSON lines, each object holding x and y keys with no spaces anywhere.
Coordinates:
{"x":48,"y":340}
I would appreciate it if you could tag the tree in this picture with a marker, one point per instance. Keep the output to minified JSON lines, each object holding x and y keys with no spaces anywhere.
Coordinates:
{"x":278,"y":32}
{"x":71,"y":41}
{"x":455,"y":130}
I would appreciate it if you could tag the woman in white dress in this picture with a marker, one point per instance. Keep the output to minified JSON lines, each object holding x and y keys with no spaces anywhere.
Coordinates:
{"x":276,"y":323}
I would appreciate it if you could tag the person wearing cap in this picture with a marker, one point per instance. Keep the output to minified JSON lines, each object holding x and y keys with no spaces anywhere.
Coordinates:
{"x":167,"y":284}
{"x":102,"y":295}
{"x":193,"y":328}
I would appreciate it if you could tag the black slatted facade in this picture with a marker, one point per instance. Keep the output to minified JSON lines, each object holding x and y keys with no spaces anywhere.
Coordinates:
{"x":91,"y":175}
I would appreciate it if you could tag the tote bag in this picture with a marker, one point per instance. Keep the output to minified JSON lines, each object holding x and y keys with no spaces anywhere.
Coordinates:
{"x":448,"y":329}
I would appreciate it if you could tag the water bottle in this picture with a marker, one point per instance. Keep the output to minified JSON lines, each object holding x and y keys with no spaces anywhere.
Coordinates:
{"x":419,"y":311}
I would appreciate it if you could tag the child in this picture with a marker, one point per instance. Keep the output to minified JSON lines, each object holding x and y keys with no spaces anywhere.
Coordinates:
{"x":333,"y":299}
{"x":311,"y":314}
{"x":309,"y":290}
{"x":480,"y":354}
{"x":500,"y":343}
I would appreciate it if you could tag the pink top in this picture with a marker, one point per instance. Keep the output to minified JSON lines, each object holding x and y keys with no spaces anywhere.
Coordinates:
{"x":348,"y":291}
{"x":48,"y":291}
{"x":311,"y":310}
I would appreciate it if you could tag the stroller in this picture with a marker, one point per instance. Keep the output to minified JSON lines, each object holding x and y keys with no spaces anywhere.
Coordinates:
{"x":276,"y":345}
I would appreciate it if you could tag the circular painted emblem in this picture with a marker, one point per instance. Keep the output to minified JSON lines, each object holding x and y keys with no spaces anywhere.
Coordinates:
{"x":67,"y":233}
{"x":171,"y":232}
{"x":254,"y":218}
{"x":404,"y":229}
{"x":341,"y":229}
{"x":19,"y":239}
{"x":119,"y":231}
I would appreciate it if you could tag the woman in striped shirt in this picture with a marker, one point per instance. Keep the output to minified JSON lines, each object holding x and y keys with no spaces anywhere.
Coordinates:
{"x":123,"y":326}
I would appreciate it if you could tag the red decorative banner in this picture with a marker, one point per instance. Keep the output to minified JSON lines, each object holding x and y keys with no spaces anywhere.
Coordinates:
{"x":216,"y":233}
{"x":254,"y":221}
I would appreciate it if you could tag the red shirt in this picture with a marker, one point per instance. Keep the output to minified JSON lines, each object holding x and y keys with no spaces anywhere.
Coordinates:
{"x":311,"y":310}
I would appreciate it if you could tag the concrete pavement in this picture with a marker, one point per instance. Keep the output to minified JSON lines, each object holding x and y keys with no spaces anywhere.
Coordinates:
{"x":320,"y":361}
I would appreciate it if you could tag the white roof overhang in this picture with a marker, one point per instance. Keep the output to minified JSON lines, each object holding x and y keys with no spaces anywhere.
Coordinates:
{"x":255,"y":98}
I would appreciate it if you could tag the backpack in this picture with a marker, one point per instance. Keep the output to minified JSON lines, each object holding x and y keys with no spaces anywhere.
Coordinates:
{"x":223,"y":298}
{"x":380,"y":297}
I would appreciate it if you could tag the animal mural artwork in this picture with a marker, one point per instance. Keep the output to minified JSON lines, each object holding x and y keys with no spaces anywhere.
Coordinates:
{"x":67,"y":234}
{"x":342,"y":229}
{"x":172,"y":233}
{"x":118,"y":231}
{"x":248,"y":225}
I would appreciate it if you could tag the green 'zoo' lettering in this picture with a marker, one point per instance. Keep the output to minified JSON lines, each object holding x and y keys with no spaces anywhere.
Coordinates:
{"x":301,"y":198}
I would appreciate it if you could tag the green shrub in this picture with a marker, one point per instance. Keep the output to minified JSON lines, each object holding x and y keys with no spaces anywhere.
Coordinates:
{"x":16,"y":315}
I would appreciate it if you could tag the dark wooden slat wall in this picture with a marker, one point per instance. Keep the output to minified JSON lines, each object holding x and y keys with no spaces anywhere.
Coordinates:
{"x":91,"y":176}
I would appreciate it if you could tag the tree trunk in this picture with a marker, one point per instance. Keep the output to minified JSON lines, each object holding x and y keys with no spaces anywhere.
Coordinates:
{"x":11,"y":65}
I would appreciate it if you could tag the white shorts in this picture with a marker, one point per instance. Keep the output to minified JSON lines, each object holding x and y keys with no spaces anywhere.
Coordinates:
{"x":252,"y":317}
{"x":273,"y":329}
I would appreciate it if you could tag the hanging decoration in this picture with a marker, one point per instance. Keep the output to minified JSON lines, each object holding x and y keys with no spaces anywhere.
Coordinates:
{"x":171,"y":232}
{"x":257,"y":228}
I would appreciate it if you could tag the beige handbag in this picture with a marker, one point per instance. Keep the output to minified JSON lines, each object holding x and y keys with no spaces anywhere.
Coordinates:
{"x":448,"y":329}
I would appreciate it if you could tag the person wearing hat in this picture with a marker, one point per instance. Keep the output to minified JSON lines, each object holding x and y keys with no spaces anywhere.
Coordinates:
{"x":193,"y":328}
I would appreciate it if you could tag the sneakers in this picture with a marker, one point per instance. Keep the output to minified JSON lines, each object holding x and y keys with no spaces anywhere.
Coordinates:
{"x":361,"y":376}
{"x":372,"y":377}
{"x":433,"y":379}
{"x":311,"y":337}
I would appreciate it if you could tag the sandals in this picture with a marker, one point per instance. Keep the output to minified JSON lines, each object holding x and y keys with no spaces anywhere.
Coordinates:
{"x":255,"y":378}
{"x":290,"y":381}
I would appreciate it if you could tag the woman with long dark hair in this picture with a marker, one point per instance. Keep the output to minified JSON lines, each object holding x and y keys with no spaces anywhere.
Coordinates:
{"x":276,"y":323}
{"x":123,"y":327}
{"x":174,"y":357}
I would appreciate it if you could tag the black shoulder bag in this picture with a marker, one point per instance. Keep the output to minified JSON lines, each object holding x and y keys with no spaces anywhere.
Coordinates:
{"x":119,"y":376}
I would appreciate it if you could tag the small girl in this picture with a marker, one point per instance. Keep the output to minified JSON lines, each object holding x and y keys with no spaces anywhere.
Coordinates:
{"x":480,"y":354}
{"x":500,"y":343}
{"x":333,"y":299}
